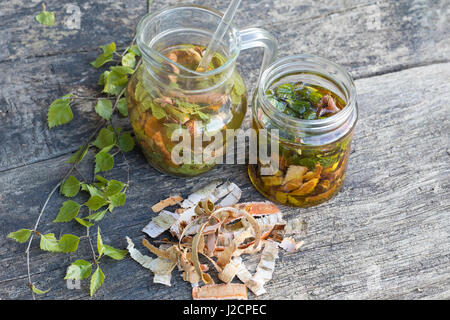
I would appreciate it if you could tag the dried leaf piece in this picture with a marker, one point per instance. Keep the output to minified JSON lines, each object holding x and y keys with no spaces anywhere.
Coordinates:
{"x":255,"y":226}
{"x":271,"y":181}
{"x":184,"y":220}
{"x":232,"y":198}
{"x":314,"y":174}
{"x":292,"y":185}
{"x":267,"y":222}
{"x":171,"y":201}
{"x":265,"y":268}
{"x":172,"y":56}
{"x":277,"y":233}
{"x":224,"y":256}
{"x":189,"y":273}
{"x":295,"y":173}
{"x":230,"y":270}
{"x":137,"y":256}
{"x":158,"y":139}
{"x":204,"y":207}
{"x":198,"y":238}
{"x":162,"y":268}
{"x":234,"y":291}
{"x":242,"y":273}
{"x":323,"y":186}
{"x":160,"y":223}
{"x":211,"y":243}
{"x":259,"y":208}
{"x":295,"y":226}
{"x":306,"y":188}
{"x":326,"y":105}
{"x":200,"y":195}
{"x":289,"y":244}
{"x":194,"y":55}
{"x":166,"y":254}
{"x":323,"y":195}
{"x":221,"y":191}
{"x":248,"y":249}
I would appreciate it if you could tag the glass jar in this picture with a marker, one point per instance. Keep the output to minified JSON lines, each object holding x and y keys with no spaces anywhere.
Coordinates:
{"x":166,"y":93}
{"x":315,"y":152}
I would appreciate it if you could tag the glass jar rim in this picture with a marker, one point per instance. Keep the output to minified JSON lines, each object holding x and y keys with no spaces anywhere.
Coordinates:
{"x":156,"y":56}
{"x":294,"y":63}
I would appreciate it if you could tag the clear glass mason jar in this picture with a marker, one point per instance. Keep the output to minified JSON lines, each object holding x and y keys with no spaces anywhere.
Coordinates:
{"x":314,"y":151}
{"x":166,"y":93}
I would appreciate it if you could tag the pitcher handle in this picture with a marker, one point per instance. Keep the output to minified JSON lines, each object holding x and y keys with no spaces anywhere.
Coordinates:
{"x":260,"y":38}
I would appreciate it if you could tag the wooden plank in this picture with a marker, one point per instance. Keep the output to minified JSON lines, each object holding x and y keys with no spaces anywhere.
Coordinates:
{"x":79,"y":26}
{"x":35,"y":82}
{"x":385,"y":236}
{"x":25,"y":95}
{"x":367,"y":37}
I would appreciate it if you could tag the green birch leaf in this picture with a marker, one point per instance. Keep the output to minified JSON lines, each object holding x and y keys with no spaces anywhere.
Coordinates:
{"x":103,"y":162}
{"x":310,"y":163}
{"x":113,"y":187}
{"x":105,"y":138}
{"x":157,"y":111}
{"x":68,"y":243}
{"x":70,"y":187}
{"x":102,"y":59}
{"x":171,"y":127}
{"x":80,"y":269}
{"x":279,"y":104}
{"x":68,"y":211}
{"x":122,"y":70}
{"x":101,"y":180}
{"x":49,"y":243}
{"x":95,"y":202}
{"x":21,"y":235}
{"x":75,"y":158}
{"x":310,"y":115}
{"x":116,"y":200}
{"x":96,"y":280}
{"x":100,"y":246}
{"x":180,"y":116}
{"x":126,"y":142}
{"x":46,"y":18}
{"x":115,"y":82}
{"x":102,"y":79}
{"x":109,"y":48}
{"x":141,"y":93}
{"x":83,"y":222}
{"x":129,"y":60}
{"x":97,"y":216}
{"x":38,"y":291}
{"x":93,"y":191}
{"x":104,"y":108}
{"x":122,"y":107}
{"x":106,"y":56}
{"x":59,"y":112}
{"x":238,"y":89}
{"x":203,"y":116}
{"x":285,"y":91}
{"x":116,"y":254}
{"x":134,"y":49}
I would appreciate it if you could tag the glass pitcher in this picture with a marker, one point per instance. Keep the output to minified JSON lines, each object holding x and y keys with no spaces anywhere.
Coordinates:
{"x":166,"y":93}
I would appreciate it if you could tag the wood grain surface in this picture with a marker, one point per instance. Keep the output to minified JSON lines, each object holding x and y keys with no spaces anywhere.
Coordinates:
{"x":386,"y":235}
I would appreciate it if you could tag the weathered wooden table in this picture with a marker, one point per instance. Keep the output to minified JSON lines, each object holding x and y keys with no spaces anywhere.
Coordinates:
{"x":385,"y":236}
